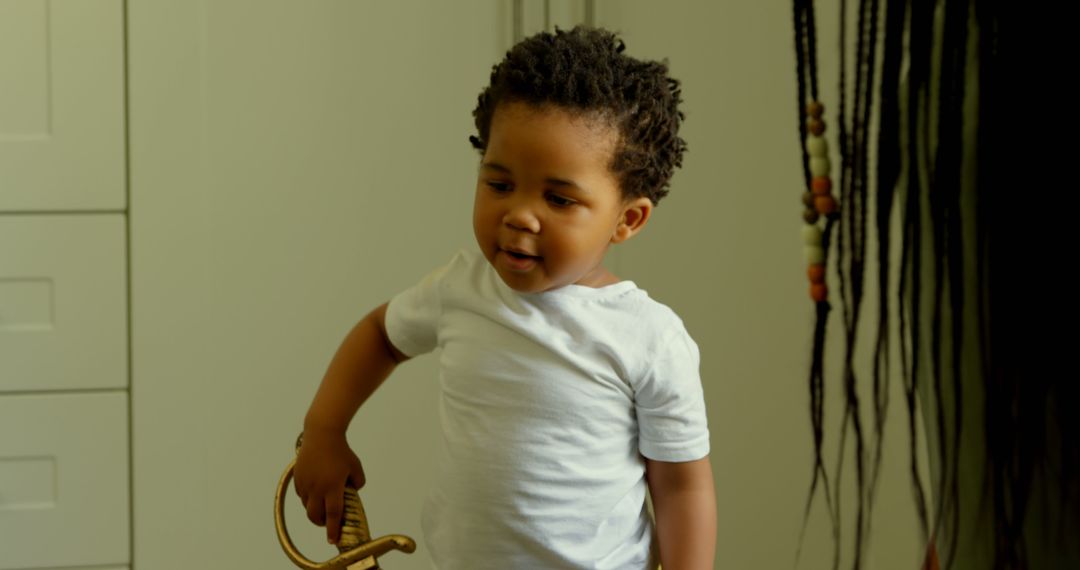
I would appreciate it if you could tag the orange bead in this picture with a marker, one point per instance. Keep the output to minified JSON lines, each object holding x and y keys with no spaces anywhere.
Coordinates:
{"x":815,"y":109}
{"x":821,"y":185}
{"x":816,"y":273}
{"x":825,"y":204}
{"x":816,"y":126}
{"x":819,"y":292}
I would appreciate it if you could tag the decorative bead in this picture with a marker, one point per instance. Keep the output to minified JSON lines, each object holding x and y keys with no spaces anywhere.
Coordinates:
{"x":825,"y":204}
{"x":818,"y":200}
{"x":821,"y":185}
{"x":817,"y":146}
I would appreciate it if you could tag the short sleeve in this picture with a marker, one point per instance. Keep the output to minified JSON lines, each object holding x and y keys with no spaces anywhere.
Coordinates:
{"x":670,"y":403}
{"x":412,"y":316}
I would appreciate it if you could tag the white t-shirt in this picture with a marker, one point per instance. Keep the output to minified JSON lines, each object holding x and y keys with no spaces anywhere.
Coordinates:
{"x":548,"y":403}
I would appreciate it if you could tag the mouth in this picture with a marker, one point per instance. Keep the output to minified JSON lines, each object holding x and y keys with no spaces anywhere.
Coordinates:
{"x":520,"y":255}
{"x":517,"y":260}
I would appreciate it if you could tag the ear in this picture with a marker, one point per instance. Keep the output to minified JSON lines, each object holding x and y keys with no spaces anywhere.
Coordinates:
{"x":634,"y":216}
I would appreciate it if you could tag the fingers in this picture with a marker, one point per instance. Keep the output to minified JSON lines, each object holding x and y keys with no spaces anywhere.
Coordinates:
{"x":316,"y":510}
{"x":334,"y":506}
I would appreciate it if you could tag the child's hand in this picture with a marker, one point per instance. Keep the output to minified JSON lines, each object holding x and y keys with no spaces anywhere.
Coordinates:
{"x":323,"y":465}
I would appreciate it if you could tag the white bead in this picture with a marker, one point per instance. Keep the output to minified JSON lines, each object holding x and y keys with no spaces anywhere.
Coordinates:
{"x":814,"y":254}
{"x":817,"y":146}
{"x":811,"y":234}
{"x":819,"y":165}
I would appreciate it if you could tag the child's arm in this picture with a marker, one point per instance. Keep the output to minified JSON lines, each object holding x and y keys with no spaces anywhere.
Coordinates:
{"x":363,"y":361}
{"x":684,"y":503}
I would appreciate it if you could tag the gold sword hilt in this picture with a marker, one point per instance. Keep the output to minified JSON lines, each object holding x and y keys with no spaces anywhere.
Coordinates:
{"x":356,"y":550}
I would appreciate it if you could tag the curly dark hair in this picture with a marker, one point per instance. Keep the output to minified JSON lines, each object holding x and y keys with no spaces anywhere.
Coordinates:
{"x":584,"y":71}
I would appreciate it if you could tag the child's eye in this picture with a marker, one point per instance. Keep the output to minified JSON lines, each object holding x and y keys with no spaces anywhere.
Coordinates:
{"x":559,"y":201}
{"x":499,"y":187}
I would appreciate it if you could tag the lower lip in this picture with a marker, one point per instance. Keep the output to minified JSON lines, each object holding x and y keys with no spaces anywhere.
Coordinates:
{"x":517,"y":264}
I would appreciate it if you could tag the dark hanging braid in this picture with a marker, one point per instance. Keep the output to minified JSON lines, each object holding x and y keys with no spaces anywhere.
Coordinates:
{"x":851,"y":399}
{"x":806,"y":72}
{"x":869,"y":65}
{"x":584,"y":70}
{"x":888,"y":172}
{"x":920,"y":27}
{"x":843,"y":250}
{"x":854,"y":182}
{"x":922,"y":24}
{"x":944,"y":192}
{"x":943,"y":183}
{"x":800,"y":74}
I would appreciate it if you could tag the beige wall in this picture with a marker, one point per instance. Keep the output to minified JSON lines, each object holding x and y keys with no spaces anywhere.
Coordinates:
{"x":293,"y":165}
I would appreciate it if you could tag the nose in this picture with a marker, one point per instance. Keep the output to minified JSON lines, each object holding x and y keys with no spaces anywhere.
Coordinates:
{"x":521,"y":216}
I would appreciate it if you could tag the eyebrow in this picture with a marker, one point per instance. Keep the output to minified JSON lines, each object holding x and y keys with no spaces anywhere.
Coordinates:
{"x":555,"y":181}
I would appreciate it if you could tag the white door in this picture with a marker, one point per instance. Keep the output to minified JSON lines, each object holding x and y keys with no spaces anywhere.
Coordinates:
{"x":64,"y":447}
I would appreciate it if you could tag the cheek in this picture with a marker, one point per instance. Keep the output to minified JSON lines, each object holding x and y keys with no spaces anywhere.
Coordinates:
{"x":479,"y":227}
{"x":484,"y":218}
{"x":482,"y":212}
{"x":564,"y":246}
{"x":477,"y":208}
{"x":584,"y":242}
{"x":478,"y":205}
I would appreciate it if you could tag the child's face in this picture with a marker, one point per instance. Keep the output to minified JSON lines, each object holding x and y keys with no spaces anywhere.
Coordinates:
{"x":547,"y":206}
